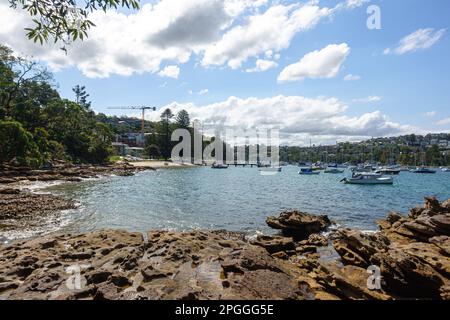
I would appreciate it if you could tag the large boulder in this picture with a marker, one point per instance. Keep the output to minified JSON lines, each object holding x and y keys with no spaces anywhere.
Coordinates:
{"x":299,"y":225}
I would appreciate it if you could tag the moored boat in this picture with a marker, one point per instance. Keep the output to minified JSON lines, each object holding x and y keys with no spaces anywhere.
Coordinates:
{"x":270,"y":169}
{"x":334,"y":170}
{"x":308,"y":171}
{"x":368,"y":178}
{"x":219,"y":166}
{"x":388,"y":171}
{"x":423,"y":170}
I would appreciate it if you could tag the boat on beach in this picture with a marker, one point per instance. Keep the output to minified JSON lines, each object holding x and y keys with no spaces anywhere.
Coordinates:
{"x":308,"y":171}
{"x":368,"y":178}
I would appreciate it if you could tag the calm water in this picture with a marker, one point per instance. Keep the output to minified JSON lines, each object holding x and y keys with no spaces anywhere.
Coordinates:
{"x":238,"y":199}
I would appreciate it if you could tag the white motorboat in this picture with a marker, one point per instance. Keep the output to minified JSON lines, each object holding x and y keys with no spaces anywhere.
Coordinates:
{"x":368,"y":178}
{"x":270,"y":169}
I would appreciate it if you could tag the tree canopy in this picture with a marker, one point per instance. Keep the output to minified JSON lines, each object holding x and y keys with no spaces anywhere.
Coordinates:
{"x":64,"y":20}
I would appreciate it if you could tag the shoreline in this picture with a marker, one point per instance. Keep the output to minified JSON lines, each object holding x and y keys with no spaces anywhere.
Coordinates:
{"x":309,"y":258}
{"x":412,"y":254}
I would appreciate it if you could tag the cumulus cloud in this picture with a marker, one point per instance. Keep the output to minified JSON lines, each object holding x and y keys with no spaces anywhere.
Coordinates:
{"x":351,"y":4}
{"x":369,"y":99}
{"x":421,"y":39}
{"x":352,"y":77}
{"x":430,"y":114}
{"x":443,"y":122}
{"x":170,"y":72}
{"x":217,"y":32}
{"x":272,"y":30}
{"x":295,"y":116}
{"x":324,"y":63}
{"x":262,"y":65}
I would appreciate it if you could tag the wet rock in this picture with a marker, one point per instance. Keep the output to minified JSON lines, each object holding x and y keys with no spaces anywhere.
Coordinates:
{"x":412,"y":253}
{"x":299,"y":224}
{"x":21,"y":210}
{"x":274,"y":244}
{"x":357,"y":248}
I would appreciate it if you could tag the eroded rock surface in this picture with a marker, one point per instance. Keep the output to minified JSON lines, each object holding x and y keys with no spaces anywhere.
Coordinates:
{"x":225,"y":265}
{"x":298,"y":224}
{"x":121,"y":265}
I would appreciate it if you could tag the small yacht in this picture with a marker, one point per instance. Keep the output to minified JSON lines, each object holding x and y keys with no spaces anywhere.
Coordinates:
{"x":368,"y":178}
{"x":423,"y":170}
{"x":308,"y":171}
{"x":446,"y":169}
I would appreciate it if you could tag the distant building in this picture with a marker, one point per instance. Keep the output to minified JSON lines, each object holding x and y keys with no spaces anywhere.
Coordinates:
{"x":131,"y":139}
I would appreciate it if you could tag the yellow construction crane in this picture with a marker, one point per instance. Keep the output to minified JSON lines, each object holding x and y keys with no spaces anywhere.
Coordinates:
{"x":142,"y":108}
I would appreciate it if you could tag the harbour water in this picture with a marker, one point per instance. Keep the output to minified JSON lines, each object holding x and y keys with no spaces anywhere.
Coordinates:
{"x":237,"y":199}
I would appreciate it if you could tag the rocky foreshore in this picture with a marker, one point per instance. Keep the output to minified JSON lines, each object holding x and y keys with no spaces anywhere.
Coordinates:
{"x":65,"y":172}
{"x":29,"y":213}
{"x":412,"y":254}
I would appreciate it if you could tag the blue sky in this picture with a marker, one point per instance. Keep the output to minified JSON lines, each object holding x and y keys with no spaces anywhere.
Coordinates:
{"x":409,"y":88}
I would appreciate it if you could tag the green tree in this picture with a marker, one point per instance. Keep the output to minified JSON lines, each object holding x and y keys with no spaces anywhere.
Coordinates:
{"x":182,"y":119}
{"x":16,"y":74}
{"x":17,"y":144}
{"x":64,"y":20}
{"x":81,"y":96}
{"x":166,"y":116}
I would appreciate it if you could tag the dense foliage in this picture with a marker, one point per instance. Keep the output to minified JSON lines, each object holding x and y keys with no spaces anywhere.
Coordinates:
{"x":38,"y":126}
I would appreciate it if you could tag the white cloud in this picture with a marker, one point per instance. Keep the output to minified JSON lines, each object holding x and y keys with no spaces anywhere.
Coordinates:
{"x":421,"y":39}
{"x":443,"y":122}
{"x":170,"y":72}
{"x":351,"y":4}
{"x":430,"y":114}
{"x":298,"y":117}
{"x":352,"y":77}
{"x":262,"y":65}
{"x":217,"y":32}
{"x":203,"y":92}
{"x":369,"y":99}
{"x":324,"y":63}
{"x":272,"y":30}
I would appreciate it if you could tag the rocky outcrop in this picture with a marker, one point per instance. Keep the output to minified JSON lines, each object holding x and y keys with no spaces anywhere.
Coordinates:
{"x":412,"y":252}
{"x":65,"y":172}
{"x":121,"y":265}
{"x":22,"y":210}
{"x":344,"y":264}
{"x":298,"y":224}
